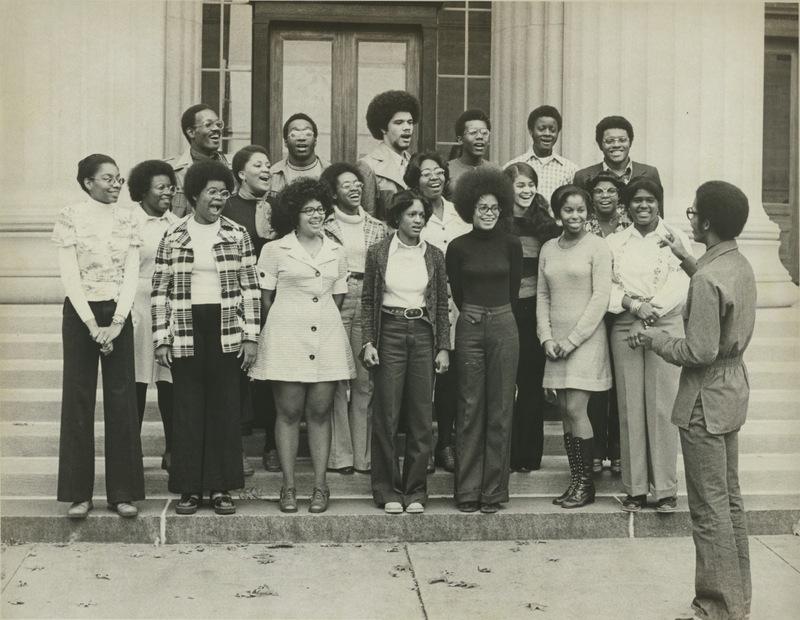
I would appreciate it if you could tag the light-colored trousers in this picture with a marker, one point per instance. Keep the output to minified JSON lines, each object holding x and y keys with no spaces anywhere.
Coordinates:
{"x":351,"y":422}
{"x":646,"y":390}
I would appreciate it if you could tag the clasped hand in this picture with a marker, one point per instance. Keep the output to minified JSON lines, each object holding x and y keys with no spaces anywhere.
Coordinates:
{"x":638,"y":336}
{"x":558,"y":349}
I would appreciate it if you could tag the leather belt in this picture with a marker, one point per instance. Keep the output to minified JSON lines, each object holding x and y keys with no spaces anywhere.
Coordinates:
{"x":406,"y":313}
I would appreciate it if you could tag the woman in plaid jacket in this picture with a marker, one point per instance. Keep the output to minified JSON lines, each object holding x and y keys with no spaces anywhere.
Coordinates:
{"x":206,"y":317}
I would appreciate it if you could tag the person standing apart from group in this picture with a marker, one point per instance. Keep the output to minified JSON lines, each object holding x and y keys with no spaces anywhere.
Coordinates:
{"x":473,"y":132}
{"x":391,"y":118}
{"x":406,"y":336}
{"x":572,"y":297}
{"x":202,"y":129}
{"x":484,"y":268}
{"x":649,"y":289}
{"x":356,"y":231}
{"x":98,"y":259}
{"x":303,"y":349}
{"x":553,"y":170}
{"x":428,"y":176}
{"x":711,"y":405}
{"x":531,"y":222}
{"x":206,"y":320}
{"x":151,"y":184}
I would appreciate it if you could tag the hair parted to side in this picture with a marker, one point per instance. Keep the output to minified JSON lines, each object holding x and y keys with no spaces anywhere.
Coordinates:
{"x":560,"y":195}
{"x":413,"y":169}
{"x":143,"y":174}
{"x":402,"y":201}
{"x":295,"y":196}
{"x":200,"y":174}
{"x":724,"y":206}
{"x":385,"y":105}
{"x":89,"y":165}
{"x":243,"y":155}
{"x":482,"y":182}
{"x":188,"y":117}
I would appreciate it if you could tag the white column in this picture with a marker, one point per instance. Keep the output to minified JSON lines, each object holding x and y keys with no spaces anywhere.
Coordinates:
{"x":79,"y":77}
{"x":526,"y":69}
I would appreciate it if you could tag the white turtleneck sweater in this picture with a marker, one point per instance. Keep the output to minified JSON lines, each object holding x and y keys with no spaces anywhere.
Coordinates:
{"x":355,"y":247}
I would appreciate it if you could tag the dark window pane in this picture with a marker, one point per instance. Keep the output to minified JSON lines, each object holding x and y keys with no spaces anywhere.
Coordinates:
{"x":478,"y":94}
{"x":777,"y":127}
{"x":480,"y":43}
{"x":209,"y":89}
{"x":454,"y":5}
{"x":451,"y":42}
{"x":210,"y":53}
{"x":227,"y":34}
{"x":480,"y":5}
{"x":449,"y":104}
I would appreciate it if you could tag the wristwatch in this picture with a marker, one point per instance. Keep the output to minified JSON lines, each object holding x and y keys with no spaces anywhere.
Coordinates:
{"x":118,"y":319}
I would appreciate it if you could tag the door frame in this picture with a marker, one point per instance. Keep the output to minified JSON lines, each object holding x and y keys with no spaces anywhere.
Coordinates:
{"x":420,"y":17}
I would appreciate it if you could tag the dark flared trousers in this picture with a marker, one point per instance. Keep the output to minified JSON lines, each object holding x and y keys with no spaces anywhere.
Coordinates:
{"x":603,"y":413}
{"x":207,"y":439}
{"x":719,"y":528}
{"x":123,"y":448}
{"x":403,"y":376}
{"x":487,"y":351}
{"x":527,"y":434}
{"x":445,"y":404}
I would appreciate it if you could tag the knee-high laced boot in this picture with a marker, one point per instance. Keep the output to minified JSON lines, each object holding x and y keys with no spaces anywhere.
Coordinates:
{"x":573,"y":472}
{"x":583,"y":491}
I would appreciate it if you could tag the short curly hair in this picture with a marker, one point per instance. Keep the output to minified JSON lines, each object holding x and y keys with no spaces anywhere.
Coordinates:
{"x":385,"y":105}
{"x":413,"y":169}
{"x":89,"y":165}
{"x":479,"y":182}
{"x":299,"y":116}
{"x":243,"y":156}
{"x":189,"y":117}
{"x":547,"y":111}
{"x":608,"y":177}
{"x":330,"y":176}
{"x":143,"y":174}
{"x":473,"y":114}
{"x":401,"y":201}
{"x":724,"y":206}
{"x":561,"y":194}
{"x":200,"y":174}
{"x":295,"y":196}
{"x":649,"y":185}
{"x":612,"y":122}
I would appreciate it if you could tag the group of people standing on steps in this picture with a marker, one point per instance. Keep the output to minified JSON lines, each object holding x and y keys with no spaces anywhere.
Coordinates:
{"x":369,"y":299}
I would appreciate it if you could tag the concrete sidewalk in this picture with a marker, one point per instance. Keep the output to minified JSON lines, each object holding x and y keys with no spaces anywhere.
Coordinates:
{"x":587,"y":579}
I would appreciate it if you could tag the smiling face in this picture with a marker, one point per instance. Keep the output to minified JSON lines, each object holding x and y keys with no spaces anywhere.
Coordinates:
{"x":103,"y":185}
{"x":255,"y":174}
{"x":573,"y":214}
{"x":605,"y":198}
{"x":348,"y":192}
{"x":475,"y":139}
{"x":487,"y":213}
{"x":615,"y":146}
{"x":412,"y":221}
{"x":643,"y":209}
{"x":210,"y":203}
{"x":158,"y":198}
{"x":397,"y":135}
{"x":206,"y":135}
{"x":524,"y":192}
{"x":310,"y":218}
{"x":544,"y":135}
{"x":431,"y":179}
{"x":300,"y":139}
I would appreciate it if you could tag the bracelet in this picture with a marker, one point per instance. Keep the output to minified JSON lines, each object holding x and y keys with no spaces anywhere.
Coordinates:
{"x":636,"y":305}
{"x":118,"y":319}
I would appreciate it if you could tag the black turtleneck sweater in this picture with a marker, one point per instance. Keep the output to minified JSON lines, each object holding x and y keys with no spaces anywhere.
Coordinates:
{"x":484,"y":268}
{"x":243,"y":212}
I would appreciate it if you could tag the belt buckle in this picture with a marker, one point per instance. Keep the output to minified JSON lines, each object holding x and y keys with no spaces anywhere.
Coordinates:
{"x":412,"y":313}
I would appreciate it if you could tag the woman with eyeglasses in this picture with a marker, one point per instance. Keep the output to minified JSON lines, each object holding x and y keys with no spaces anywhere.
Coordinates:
{"x":205,"y":328}
{"x":572,"y":297}
{"x":484,"y":268}
{"x":649,"y":290}
{"x":98,"y":260}
{"x":152,"y":184}
{"x":251,"y":169}
{"x":427,"y":174}
{"x":303,"y":349}
{"x":406,"y":339}
{"x":532,"y":223}
{"x":356,"y":231}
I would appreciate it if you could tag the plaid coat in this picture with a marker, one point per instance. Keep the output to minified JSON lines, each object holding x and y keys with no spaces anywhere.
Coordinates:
{"x":374,"y":230}
{"x":171,"y":299}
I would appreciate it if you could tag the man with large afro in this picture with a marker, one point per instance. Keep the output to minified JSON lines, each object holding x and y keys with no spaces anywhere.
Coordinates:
{"x":391,"y":118}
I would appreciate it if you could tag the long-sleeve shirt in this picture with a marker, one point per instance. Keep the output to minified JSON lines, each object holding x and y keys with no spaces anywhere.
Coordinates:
{"x":644,"y":270}
{"x":719,"y":317}
{"x":533,"y":232}
{"x":484,"y":268}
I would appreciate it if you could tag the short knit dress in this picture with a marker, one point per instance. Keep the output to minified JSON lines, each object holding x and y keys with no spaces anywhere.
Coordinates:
{"x":572,"y":298}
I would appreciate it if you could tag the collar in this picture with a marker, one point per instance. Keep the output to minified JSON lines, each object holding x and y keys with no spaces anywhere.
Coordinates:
{"x":659,"y":231}
{"x":328,"y":252}
{"x":396,"y":245}
{"x":448,"y":213}
{"x":227,"y":231}
{"x":168,"y":216}
{"x":398,"y":159}
{"x":198,"y":156}
{"x":340,"y":215}
{"x":628,"y":168}
{"x":531,"y":155}
{"x":715,"y":251}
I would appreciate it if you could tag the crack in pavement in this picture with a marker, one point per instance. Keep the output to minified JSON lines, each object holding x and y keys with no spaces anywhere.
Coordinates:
{"x":778,"y":555}
{"x":16,"y":570}
{"x":416,"y":582}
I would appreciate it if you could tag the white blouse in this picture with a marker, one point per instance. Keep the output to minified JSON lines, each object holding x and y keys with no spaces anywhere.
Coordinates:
{"x":406,"y":275}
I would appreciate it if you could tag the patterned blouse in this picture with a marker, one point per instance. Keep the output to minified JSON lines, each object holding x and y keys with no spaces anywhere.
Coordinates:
{"x":101,"y":258}
{"x":622,"y":220}
{"x":171,"y":301}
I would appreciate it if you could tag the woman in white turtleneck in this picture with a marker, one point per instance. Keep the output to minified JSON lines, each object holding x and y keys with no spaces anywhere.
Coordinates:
{"x":356,"y":230}
{"x":99,"y":264}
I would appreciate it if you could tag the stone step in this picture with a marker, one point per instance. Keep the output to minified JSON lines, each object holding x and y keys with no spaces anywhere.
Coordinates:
{"x":41,"y":438}
{"x":759,"y":474}
{"x":522,"y":521}
{"x":44,"y":405}
{"x":33,"y":373}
